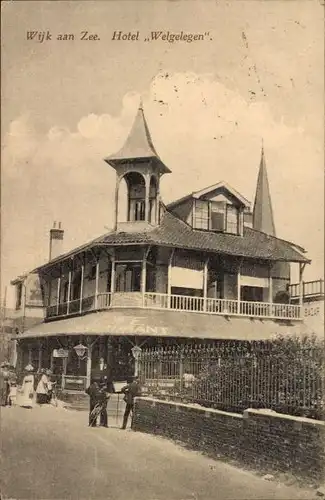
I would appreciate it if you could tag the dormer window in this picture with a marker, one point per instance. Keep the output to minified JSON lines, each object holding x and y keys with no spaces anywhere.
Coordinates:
{"x":216,"y":216}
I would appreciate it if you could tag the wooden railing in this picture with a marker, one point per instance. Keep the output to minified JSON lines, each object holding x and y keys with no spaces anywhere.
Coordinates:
{"x":309,"y":289}
{"x":150,"y":300}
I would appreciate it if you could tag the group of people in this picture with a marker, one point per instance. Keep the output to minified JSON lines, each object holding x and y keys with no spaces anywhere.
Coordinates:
{"x":99,"y":393}
{"x":39,"y":384}
{"x":8,"y":385}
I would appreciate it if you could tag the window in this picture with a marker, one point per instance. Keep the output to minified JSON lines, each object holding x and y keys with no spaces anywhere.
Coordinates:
{"x":128,"y":277}
{"x":151,"y":210}
{"x":231,"y":219}
{"x":19,"y":292}
{"x":139,"y":210}
{"x":218,"y":209}
{"x":216,"y":216}
{"x":201,"y":214}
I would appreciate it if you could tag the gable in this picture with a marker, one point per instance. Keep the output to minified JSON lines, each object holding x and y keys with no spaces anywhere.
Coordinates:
{"x":222,"y":192}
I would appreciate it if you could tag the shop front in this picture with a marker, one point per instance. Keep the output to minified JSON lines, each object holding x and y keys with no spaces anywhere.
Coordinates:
{"x":74,"y":361}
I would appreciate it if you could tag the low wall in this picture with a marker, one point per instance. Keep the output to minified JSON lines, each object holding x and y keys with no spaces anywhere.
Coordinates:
{"x":258,"y":439}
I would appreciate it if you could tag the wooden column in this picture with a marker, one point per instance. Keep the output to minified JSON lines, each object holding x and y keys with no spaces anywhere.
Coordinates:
{"x":169,"y":282}
{"x":144,"y":274}
{"x":29,"y":354}
{"x":238,"y":288}
{"x":157,"y":199}
{"x":52,"y":360}
{"x":58,"y":295}
{"x":69,"y":291}
{"x":270,"y":290}
{"x":147,"y":189}
{"x":205,"y":284}
{"x":88,"y":368}
{"x":64,"y":371}
{"x":109,"y":357}
{"x":96,"y":282}
{"x":82,"y":285}
{"x":116,"y":201}
{"x":40,"y":352}
{"x":301,"y":283}
{"x":113,"y":272}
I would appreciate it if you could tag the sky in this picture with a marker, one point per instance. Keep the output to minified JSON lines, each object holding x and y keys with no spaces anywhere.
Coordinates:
{"x":66,"y":104}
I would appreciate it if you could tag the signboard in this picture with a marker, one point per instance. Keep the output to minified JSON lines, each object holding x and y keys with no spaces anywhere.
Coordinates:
{"x":72,"y":383}
{"x":60,"y":353}
{"x":119,"y":385}
{"x":34,"y":295}
{"x":313,"y":317}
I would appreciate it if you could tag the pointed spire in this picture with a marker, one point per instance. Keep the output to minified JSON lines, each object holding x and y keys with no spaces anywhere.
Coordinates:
{"x":138,"y":144}
{"x":263,"y":213}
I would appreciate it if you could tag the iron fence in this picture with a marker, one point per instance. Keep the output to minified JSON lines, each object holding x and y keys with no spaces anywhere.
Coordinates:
{"x":286,"y":375}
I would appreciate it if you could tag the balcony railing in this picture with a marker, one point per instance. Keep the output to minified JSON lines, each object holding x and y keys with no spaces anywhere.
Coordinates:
{"x":149,"y":300}
{"x":309,"y":289}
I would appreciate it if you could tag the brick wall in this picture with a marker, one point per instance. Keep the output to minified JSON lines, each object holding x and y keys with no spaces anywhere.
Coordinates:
{"x":259,"y":439}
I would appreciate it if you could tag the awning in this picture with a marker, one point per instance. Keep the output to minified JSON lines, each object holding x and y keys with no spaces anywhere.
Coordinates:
{"x":157,"y":323}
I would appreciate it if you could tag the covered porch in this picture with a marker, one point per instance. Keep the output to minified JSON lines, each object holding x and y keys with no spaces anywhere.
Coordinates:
{"x":108,"y":337}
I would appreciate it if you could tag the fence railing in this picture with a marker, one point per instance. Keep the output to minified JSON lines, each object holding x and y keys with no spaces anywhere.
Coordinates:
{"x":151,"y":300}
{"x":285,"y":376}
{"x":309,"y":289}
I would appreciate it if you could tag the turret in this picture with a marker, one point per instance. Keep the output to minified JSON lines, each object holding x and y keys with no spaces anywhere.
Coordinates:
{"x":139,"y":165}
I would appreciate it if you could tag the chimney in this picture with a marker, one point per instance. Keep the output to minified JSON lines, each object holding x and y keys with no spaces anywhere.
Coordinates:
{"x":56,"y":241}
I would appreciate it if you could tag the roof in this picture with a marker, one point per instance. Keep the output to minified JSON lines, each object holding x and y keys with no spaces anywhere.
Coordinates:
{"x":263,"y":219}
{"x":19,"y":279}
{"x":203,"y":192}
{"x":153,"y":323}
{"x":138,"y":144}
{"x":172,"y":232}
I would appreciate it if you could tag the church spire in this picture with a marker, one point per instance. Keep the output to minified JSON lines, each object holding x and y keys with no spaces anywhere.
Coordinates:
{"x":263,"y":213}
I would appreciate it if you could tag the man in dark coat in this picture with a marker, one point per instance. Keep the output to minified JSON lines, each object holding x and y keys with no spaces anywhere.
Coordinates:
{"x":131,"y":390}
{"x":103,"y":397}
{"x":93,"y":393}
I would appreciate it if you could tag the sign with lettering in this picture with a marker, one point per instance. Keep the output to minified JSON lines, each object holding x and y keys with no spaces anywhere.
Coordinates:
{"x":60,"y":353}
{"x":74,"y":383}
{"x":313,"y":317}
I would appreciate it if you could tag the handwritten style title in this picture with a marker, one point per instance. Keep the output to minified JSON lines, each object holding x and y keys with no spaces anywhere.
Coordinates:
{"x":119,"y":36}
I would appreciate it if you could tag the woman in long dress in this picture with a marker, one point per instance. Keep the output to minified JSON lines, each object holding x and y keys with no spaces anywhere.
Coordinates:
{"x":27,"y":389}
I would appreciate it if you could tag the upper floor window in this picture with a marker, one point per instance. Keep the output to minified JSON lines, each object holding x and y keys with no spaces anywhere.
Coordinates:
{"x":19,"y":293}
{"x":231,"y":219}
{"x":216,"y":216}
{"x":201,"y":214}
{"x":139,"y":210}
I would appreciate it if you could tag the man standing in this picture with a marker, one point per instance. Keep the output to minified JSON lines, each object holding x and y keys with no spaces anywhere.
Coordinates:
{"x":93,"y":393}
{"x":131,"y":390}
{"x":103,"y":398}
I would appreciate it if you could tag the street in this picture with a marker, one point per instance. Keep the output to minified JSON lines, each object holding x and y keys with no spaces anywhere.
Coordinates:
{"x":50,"y":453}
